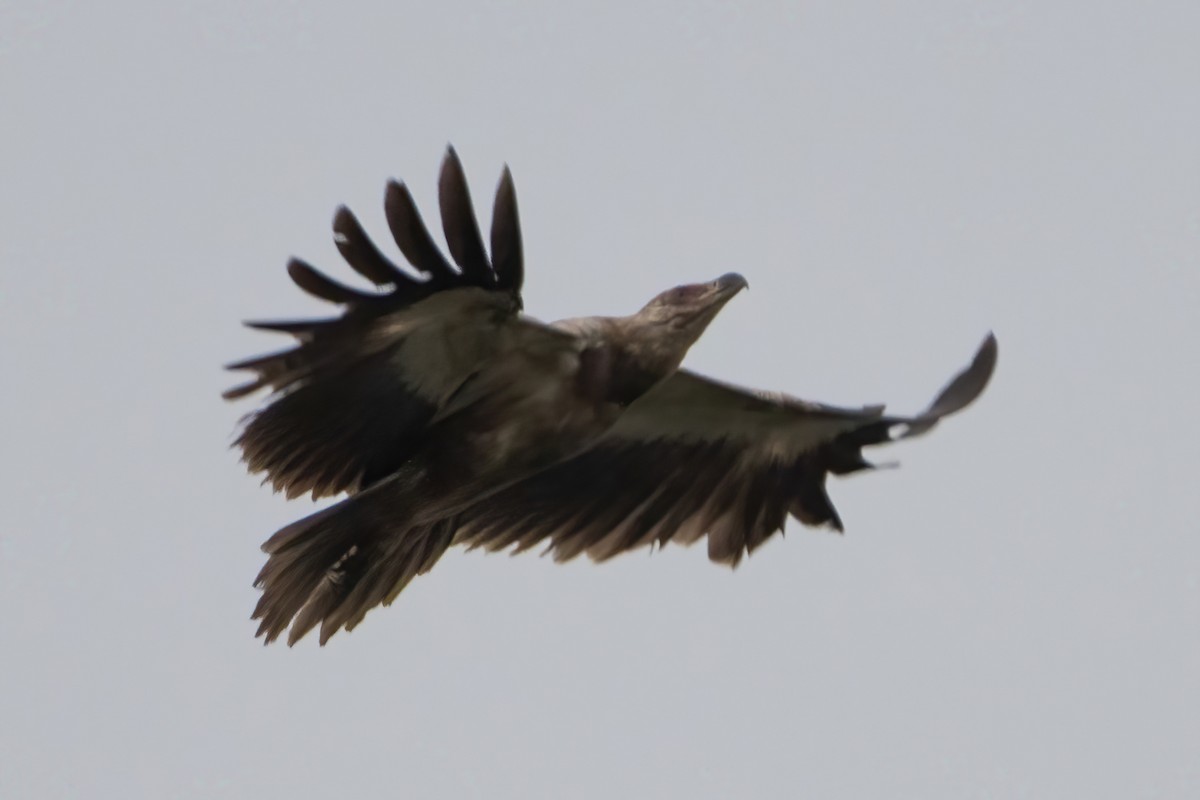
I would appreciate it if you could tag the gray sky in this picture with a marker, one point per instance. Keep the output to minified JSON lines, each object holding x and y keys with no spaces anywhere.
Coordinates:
{"x":1014,"y":613}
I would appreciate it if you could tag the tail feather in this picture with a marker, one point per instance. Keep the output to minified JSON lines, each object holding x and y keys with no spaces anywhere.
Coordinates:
{"x":402,"y":560}
{"x":334,"y":566}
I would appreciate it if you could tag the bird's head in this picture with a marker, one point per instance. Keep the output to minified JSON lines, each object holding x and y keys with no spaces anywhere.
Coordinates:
{"x":676,"y":318}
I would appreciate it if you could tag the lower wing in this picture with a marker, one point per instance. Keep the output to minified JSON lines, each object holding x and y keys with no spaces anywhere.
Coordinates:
{"x":695,"y":457}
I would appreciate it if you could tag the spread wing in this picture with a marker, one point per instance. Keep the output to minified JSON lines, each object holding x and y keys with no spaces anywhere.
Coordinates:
{"x":350,"y":399}
{"x":695,"y":457}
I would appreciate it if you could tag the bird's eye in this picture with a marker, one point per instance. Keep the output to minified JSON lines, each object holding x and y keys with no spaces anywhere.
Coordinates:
{"x":682,"y":294}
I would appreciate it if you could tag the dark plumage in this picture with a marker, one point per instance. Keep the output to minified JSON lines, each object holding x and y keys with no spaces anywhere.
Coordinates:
{"x":449,"y":417}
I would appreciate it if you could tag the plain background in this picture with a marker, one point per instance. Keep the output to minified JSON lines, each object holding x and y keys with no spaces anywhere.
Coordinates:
{"x":1013,"y":613}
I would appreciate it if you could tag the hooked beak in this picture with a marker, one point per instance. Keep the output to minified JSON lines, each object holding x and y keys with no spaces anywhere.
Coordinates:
{"x":730,"y":284}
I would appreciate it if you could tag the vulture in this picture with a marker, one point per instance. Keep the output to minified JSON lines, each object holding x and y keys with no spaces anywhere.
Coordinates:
{"x":446,"y":416}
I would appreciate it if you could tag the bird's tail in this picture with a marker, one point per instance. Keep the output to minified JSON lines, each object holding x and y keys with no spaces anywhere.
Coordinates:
{"x":334,"y":566}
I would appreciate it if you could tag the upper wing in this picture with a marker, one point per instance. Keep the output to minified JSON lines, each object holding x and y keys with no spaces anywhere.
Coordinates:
{"x":351,"y":398}
{"x":694,"y":456}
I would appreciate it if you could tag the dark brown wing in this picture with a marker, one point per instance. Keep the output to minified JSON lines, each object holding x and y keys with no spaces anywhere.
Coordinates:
{"x":350,"y":400}
{"x":695,"y":457}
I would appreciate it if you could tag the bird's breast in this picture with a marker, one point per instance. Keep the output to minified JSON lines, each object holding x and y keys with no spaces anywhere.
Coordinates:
{"x":610,"y":375}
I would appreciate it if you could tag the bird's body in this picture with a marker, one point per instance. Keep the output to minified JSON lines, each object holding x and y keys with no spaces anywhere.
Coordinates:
{"x":449,"y":417}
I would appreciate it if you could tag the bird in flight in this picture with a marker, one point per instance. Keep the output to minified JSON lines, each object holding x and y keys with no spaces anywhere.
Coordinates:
{"x":446,"y":416}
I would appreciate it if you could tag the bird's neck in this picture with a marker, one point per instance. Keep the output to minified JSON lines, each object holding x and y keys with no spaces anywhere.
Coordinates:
{"x":625,"y":361}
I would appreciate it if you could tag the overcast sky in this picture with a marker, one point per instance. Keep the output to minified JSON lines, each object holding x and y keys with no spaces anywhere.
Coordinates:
{"x":1013,"y":613}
